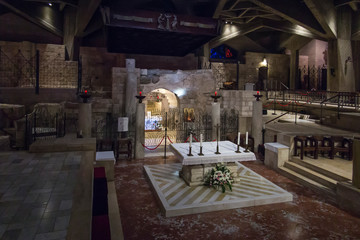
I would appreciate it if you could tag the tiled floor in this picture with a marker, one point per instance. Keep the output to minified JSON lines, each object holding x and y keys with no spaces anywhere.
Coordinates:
{"x":36,"y":192}
{"x":308,"y":216}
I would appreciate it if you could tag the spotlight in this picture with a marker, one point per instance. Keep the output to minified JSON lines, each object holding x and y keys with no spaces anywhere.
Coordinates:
{"x":50,"y":4}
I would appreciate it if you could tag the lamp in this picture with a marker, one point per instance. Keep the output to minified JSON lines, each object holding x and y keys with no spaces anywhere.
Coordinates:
{"x":264,"y":62}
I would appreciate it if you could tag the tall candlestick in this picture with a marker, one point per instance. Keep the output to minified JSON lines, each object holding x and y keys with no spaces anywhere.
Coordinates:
{"x":238,"y":140}
{"x":246,"y":139}
{"x":190,"y":140}
{"x":201,"y":139}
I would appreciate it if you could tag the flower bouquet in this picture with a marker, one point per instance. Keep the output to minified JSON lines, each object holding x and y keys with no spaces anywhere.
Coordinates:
{"x":219,"y":177}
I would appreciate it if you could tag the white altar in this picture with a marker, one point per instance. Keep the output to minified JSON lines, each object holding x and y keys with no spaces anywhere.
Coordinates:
{"x":195,"y":167}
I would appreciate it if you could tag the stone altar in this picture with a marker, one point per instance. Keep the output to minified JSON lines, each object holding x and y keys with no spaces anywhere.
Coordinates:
{"x":195,"y":167}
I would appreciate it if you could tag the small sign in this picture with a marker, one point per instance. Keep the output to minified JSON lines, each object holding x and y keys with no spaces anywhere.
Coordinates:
{"x":123,"y":124}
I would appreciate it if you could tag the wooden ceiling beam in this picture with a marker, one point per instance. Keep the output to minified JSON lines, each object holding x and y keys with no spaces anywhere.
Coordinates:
{"x":325,"y":13}
{"x":294,"y":12}
{"x":49,"y":22}
{"x":84,"y":14}
{"x":354,"y":6}
{"x":219,"y":8}
{"x":234,"y":31}
{"x":292,"y":28}
{"x":339,"y":3}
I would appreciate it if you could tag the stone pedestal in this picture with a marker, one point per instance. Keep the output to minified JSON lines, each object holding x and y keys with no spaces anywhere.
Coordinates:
{"x":348,"y":197}
{"x":194,"y":175}
{"x":84,"y":124}
{"x":257,"y":123}
{"x":140,"y":131}
{"x":215,"y":118}
{"x":276,"y":155}
{"x":356,"y":163}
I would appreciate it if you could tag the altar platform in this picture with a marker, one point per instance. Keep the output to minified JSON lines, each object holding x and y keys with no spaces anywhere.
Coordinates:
{"x":226,"y":148}
{"x":177,"y":198}
{"x":195,"y":167}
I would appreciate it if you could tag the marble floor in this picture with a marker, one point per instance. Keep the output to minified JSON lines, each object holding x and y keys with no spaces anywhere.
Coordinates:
{"x":308,"y":216}
{"x":177,"y":198}
{"x":36,"y":192}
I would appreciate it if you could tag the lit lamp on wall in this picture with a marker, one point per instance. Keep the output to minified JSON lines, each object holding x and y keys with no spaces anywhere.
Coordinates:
{"x":264,"y":62}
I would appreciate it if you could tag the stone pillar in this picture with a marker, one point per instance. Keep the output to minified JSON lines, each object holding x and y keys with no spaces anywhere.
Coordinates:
{"x":139,"y":130}
{"x":356,"y":163}
{"x":256,"y":125}
{"x":84,"y":124}
{"x":294,"y":66}
{"x":215,"y":119}
{"x":130,"y":93}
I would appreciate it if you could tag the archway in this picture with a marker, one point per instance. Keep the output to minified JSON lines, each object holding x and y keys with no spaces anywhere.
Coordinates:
{"x":161,"y":109}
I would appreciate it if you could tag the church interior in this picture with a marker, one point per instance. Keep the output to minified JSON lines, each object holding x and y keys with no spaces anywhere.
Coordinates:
{"x":171,"y":119}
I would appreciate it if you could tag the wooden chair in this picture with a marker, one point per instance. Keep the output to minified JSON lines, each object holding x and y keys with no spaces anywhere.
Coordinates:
{"x":307,"y":144}
{"x":343,"y":146}
{"x":323,"y":145}
{"x":124,"y":146}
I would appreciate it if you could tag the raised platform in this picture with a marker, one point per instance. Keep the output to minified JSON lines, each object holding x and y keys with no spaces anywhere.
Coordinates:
{"x":177,"y":198}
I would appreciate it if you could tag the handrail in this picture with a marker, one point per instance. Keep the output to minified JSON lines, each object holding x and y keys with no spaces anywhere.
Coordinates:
{"x":326,"y":100}
{"x":287,"y":88}
{"x":277,"y":117}
{"x":330,"y":98}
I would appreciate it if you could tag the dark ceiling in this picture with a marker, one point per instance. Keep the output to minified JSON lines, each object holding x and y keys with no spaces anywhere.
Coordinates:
{"x":263,"y":25}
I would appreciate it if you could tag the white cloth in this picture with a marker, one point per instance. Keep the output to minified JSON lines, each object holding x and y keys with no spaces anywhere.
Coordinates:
{"x":105,"y":156}
{"x":226,"y":148}
{"x":274,"y":146}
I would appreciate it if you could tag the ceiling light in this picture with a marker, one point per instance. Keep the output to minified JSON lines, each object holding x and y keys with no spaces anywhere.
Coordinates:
{"x":50,"y":4}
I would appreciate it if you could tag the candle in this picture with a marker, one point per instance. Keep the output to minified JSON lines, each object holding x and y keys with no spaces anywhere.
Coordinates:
{"x":257,"y":93}
{"x":85,"y":91}
{"x":215,"y":93}
{"x":190,"y":140}
{"x":238,"y":140}
{"x":201,"y":139}
{"x":140,"y":93}
{"x":246,"y":139}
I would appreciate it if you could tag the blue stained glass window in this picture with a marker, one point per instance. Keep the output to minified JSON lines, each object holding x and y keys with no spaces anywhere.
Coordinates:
{"x":223,"y":52}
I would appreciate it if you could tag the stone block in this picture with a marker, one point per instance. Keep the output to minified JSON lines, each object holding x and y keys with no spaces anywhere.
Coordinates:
{"x":348,"y":197}
{"x":276,"y":155}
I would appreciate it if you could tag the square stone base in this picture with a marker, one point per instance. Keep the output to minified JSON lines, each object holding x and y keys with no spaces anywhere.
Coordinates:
{"x":194,"y":175}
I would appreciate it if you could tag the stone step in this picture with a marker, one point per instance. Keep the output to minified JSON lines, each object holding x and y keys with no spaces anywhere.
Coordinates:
{"x":315,"y":176}
{"x":307,"y":182}
{"x":320,"y":170}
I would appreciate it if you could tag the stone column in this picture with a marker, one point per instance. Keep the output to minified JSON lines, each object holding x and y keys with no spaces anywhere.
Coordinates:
{"x":139,"y":130}
{"x":215,"y":119}
{"x":84,"y":124}
{"x":294,"y":66}
{"x":256,"y":125}
{"x":130,"y":93}
{"x":356,"y":164}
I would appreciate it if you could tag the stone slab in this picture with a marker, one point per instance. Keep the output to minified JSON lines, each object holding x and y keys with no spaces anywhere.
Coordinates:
{"x":177,"y":198}
{"x":226,"y":148}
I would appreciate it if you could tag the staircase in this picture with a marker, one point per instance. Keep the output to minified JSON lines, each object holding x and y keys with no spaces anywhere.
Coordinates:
{"x":314,"y":177}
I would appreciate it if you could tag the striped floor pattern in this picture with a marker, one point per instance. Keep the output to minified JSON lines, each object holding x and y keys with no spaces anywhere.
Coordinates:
{"x":179,"y":199}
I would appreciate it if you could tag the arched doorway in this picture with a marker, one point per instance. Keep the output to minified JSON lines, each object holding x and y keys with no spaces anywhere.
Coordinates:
{"x":161,"y":109}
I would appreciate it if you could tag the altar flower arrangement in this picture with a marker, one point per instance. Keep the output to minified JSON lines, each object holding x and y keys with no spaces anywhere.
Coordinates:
{"x":219,"y":177}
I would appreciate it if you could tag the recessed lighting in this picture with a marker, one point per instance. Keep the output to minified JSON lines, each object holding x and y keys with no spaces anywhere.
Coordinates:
{"x":50,"y":4}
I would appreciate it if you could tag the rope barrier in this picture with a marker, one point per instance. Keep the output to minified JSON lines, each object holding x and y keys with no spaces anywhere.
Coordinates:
{"x":284,"y":105}
{"x":170,"y":139}
{"x":268,"y":104}
{"x":195,"y":138}
{"x":187,"y":139}
{"x":155,"y":147}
